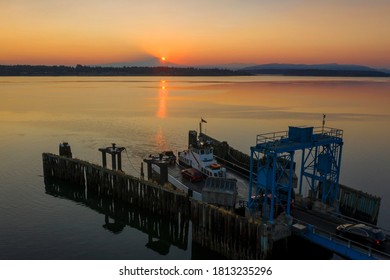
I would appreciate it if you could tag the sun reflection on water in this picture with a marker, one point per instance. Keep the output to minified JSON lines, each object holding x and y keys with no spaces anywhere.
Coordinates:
{"x":162,"y":100}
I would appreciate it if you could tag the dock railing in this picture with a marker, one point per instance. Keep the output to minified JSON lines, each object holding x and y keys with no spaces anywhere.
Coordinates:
{"x":271,"y":137}
{"x":319,"y":132}
{"x":328,"y":131}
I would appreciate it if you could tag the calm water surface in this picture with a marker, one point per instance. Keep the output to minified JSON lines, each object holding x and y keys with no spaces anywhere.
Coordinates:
{"x":150,"y":114}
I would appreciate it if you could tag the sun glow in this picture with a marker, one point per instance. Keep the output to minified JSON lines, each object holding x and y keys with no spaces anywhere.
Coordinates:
{"x":163,"y":58}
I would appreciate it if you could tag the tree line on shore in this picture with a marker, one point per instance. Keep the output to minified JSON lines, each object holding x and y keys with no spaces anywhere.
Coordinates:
{"x":80,"y":70}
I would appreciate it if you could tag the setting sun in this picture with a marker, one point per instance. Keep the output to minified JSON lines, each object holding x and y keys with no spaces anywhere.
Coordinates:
{"x":259,"y":32}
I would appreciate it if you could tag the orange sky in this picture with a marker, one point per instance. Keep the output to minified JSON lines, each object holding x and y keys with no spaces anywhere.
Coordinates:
{"x":195,"y":32}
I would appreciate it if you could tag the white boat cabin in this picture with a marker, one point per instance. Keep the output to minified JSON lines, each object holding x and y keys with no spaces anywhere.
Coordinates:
{"x":201,"y":157}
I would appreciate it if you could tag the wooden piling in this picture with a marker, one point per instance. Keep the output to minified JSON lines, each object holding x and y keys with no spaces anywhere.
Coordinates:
{"x":359,"y":205}
{"x":222,"y":231}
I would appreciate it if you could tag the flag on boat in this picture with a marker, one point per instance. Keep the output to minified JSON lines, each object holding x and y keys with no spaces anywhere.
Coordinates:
{"x":202,"y":120}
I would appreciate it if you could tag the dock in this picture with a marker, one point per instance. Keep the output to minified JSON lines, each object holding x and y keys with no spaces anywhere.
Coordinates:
{"x":236,"y":231}
{"x":222,"y":231}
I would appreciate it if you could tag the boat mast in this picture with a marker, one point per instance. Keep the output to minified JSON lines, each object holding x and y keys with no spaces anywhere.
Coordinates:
{"x":200,"y":125}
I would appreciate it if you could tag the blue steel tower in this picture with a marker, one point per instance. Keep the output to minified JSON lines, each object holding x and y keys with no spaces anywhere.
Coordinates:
{"x":273,"y":168}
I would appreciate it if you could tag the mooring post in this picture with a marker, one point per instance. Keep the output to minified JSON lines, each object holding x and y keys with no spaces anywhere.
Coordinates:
{"x":119,"y":161}
{"x":65,"y":150}
{"x":104,"y":158}
{"x":149,"y":167}
{"x":113,"y":155}
{"x":142,"y":170}
{"x":163,"y":172}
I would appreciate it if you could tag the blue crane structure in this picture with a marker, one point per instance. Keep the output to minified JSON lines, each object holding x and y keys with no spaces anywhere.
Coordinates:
{"x":273,"y":168}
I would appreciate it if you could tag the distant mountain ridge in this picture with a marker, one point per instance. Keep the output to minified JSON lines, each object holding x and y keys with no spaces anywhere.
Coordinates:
{"x":329,"y":69}
{"x":157,"y":62}
{"x":332,"y":69}
{"x":384,"y":70}
{"x":145,"y":62}
{"x":329,"y":66}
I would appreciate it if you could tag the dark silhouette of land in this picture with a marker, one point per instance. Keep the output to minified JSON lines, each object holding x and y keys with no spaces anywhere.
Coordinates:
{"x":318,"y":72}
{"x":80,"y":70}
{"x":327,"y":70}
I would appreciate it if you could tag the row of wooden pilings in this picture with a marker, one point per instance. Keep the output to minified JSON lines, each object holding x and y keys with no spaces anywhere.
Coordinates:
{"x":359,"y":205}
{"x":227,"y":153}
{"x":230,"y":235}
{"x":222,"y":231}
{"x":119,"y":213}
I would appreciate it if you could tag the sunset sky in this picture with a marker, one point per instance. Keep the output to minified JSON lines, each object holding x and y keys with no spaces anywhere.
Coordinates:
{"x":70,"y":32}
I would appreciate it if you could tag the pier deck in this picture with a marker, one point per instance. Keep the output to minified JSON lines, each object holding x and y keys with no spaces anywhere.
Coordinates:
{"x":213,"y":227}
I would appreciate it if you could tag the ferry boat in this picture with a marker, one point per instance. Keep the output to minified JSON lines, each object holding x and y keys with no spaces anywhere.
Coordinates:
{"x":200,"y":156}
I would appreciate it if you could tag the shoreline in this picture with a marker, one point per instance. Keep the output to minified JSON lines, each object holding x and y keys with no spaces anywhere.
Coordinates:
{"x":87,"y":71}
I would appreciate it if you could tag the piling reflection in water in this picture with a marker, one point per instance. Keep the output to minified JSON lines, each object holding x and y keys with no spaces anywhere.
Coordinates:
{"x":162,"y":231}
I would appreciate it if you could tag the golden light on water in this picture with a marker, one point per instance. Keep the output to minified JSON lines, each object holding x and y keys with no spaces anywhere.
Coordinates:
{"x":160,"y":140}
{"x":162,"y":100}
